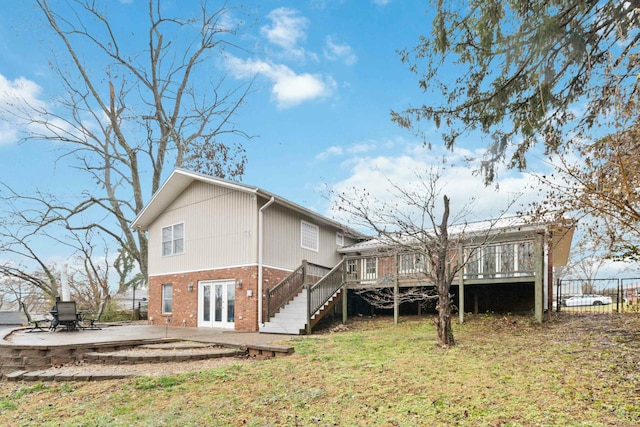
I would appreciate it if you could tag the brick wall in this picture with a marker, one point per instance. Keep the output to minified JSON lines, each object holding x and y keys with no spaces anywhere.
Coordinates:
{"x":185,"y":301}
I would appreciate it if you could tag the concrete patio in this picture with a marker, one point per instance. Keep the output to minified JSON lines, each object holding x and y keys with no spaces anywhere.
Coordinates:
{"x":24,"y":352}
{"x":136,"y":332}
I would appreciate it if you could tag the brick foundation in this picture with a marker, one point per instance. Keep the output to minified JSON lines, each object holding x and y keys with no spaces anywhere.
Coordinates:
{"x":185,"y":301}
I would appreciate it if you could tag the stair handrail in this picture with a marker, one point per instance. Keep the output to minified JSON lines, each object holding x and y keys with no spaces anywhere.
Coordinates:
{"x":283,"y":292}
{"x":320,"y":292}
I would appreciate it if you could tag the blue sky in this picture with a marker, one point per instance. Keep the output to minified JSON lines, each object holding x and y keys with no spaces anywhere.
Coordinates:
{"x":327,"y":73}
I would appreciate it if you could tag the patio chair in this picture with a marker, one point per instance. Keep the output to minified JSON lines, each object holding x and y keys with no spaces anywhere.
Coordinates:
{"x":36,"y":322}
{"x":92,"y":320}
{"x":67,"y":314}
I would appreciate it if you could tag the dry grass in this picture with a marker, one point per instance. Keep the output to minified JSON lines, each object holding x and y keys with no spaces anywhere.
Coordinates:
{"x":577,"y":370}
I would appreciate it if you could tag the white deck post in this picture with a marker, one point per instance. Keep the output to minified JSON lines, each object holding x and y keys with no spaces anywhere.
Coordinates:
{"x":539,"y":276}
{"x":460,"y":287}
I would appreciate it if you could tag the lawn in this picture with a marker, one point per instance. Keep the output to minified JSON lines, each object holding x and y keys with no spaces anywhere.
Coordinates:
{"x":577,"y":370}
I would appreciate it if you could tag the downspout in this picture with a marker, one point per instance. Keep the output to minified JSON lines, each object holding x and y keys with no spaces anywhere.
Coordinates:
{"x":260,"y":241}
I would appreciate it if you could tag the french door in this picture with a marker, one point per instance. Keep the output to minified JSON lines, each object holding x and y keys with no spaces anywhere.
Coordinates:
{"x":216,"y":303}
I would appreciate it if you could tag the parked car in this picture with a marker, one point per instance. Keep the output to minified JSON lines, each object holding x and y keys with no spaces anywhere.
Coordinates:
{"x":587,"y":299}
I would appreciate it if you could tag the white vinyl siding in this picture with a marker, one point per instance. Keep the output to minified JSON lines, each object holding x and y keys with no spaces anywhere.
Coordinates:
{"x":283,"y":238}
{"x":309,"y":236}
{"x":173,"y":239}
{"x":167,"y":299}
{"x":220,"y":230}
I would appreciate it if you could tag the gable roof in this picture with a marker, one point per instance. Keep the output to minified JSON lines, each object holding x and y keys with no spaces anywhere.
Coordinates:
{"x":180,"y":179}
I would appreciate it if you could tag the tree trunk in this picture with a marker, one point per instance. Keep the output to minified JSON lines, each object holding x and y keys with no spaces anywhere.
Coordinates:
{"x":445,"y":332}
{"x":443,"y":284}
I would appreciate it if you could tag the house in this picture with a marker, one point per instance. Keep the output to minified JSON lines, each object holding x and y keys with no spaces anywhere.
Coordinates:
{"x":508,"y":264}
{"x":230,"y":255}
{"x":215,"y":246}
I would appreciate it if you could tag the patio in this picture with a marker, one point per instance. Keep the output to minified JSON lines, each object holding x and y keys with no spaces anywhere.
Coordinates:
{"x":24,"y":353}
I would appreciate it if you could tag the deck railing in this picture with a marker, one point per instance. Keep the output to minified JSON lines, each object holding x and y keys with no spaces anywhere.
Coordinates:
{"x":278,"y":296}
{"x":322,"y":291}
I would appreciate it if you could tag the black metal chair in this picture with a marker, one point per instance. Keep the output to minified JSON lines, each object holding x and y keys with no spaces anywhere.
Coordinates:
{"x":36,"y":322}
{"x":92,"y":320}
{"x":67,"y":314}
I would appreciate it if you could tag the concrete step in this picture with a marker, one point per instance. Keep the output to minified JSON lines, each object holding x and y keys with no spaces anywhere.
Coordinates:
{"x":281,"y":328}
{"x":291,"y":319}
{"x":161,"y":355}
{"x":66,"y":376}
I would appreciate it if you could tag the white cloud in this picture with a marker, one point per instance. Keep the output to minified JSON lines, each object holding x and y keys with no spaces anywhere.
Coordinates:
{"x":362,"y":147}
{"x":377,"y":175}
{"x":357,"y":149}
{"x":15,"y":95}
{"x":335,"y":52}
{"x":381,"y":2}
{"x":289,"y":89}
{"x":287,"y":29}
{"x":330,"y":152}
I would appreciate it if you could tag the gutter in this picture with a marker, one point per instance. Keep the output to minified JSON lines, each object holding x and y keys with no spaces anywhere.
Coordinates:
{"x":260,"y":244}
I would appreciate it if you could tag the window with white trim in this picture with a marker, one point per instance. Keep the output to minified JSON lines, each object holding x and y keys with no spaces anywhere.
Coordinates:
{"x":340,"y":239}
{"x":352,"y":269}
{"x":412,"y":263}
{"x":370,"y":268}
{"x":309,"y":234}
{"x":167,"y":298}
{"x":173,"y":239}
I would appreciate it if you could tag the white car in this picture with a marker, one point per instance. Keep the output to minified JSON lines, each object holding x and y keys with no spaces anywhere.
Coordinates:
{"x":587,"y":299}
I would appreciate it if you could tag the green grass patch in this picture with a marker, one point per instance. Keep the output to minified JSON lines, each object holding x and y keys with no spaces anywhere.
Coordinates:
{"x":504,"y":371}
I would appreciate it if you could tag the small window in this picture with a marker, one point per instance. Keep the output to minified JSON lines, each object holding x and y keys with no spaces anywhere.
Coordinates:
{"x":525,"y":257}
{"x":339,"y":239}
{"x":309,"y":236}
{"x":369,"y":268}
{"x":167,"y":299}
{"x":352,"y":269}
{"x":173,"y":239}
{"x":412,"y":263}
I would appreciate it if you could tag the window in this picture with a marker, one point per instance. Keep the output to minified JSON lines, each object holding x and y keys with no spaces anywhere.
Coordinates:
{"x":309,"y":236}
{"x":352,"y":269}
{"x":339,"y":239}
{"x":525,"y":257}
{"x":471,"y":267}
{"x":412,"y":263}
{"x":369,"y":269}
{"x":173,"y":239}
{"x":507,"y":259}
{"x":489,"y":260}
{"x":167,"y":298}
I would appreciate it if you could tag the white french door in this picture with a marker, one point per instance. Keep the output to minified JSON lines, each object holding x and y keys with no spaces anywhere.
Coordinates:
{"x":216,"y":303}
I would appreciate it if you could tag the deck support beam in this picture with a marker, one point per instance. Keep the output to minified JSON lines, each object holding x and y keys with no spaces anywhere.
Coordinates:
{"x":396,"y":299}
{"x":538,"y":252}
{"x":460,"y":287}
{"x":344,"y":303}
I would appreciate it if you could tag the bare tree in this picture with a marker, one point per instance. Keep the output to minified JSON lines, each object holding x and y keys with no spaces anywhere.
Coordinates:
{"x":600,"y":180}
{"x":413,"y":223}
{"x":132,"y":110}
{"x":88,"y":276}
{"x":21,"y":254}
{"x":586,"y":261}
{"x":16,"y":294}
{"x":27,"y":233}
